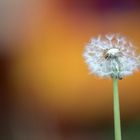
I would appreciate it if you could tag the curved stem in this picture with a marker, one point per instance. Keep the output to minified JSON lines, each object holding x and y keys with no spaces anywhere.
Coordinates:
{"x":117,"y":124}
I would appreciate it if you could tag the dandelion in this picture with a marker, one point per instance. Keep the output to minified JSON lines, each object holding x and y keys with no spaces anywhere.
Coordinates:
{"x":112,"y":56}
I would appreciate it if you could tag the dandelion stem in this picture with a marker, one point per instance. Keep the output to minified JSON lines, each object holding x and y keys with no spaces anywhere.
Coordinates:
{"x":117,"y":124}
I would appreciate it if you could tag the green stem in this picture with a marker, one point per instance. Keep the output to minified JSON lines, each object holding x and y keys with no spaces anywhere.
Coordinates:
{"x":117,"y":124}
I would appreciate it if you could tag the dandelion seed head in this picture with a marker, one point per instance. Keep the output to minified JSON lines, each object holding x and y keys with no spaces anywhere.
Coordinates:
{"x":111,"y":55}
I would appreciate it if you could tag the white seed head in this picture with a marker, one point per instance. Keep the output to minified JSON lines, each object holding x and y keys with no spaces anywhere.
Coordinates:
{"x":111,"y":55}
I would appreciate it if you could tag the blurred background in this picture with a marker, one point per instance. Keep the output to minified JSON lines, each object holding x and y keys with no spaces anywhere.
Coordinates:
{"x":46,"y":91}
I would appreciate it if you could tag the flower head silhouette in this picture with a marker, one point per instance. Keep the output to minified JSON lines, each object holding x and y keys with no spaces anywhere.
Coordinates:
{"x":111,"y":56}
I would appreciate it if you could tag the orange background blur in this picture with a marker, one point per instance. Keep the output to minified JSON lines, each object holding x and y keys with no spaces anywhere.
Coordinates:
{"x":47,"y":78}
